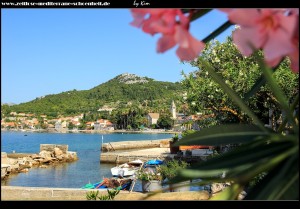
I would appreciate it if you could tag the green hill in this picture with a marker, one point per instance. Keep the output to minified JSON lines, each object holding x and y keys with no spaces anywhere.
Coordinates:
{"x":121,"y":90}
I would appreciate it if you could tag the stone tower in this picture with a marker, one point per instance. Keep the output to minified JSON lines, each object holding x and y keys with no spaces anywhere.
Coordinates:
{"x":173,"y":110}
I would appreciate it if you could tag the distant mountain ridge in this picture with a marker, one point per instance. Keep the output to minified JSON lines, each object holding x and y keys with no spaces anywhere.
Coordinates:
{"x":121,"y":89}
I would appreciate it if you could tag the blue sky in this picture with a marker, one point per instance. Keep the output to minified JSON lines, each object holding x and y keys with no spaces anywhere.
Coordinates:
{"x":49,"y":51}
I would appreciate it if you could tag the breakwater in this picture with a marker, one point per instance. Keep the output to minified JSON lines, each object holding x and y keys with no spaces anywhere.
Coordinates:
{"x":143,"y":144}
{"x":126,"y":151}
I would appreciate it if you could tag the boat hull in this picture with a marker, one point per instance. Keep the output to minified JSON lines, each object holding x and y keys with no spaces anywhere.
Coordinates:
{"x":115,"y":171}
{"x":110,"y":183}
{"x":127,"y":169}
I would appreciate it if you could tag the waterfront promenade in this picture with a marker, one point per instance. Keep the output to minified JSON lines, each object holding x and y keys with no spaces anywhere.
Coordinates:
{"x":42,"y":193}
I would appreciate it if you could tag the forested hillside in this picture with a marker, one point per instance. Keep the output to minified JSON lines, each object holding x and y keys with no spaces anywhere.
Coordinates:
{"x":119,"y":91}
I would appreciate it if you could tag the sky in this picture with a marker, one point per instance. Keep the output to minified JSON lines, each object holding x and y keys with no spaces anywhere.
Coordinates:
{"x":49,"y":51}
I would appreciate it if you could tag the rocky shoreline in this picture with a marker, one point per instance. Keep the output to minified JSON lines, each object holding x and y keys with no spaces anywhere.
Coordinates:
{"x":50,"y":154}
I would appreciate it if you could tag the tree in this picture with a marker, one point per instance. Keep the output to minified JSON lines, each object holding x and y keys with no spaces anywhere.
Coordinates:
{"x":165,"y":121}
{"x":207,"y":97}
{"x":70,"y":126}
{"x":275,"y":154}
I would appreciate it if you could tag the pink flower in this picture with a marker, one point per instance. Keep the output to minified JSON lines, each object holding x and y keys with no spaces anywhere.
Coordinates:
{"x":174,"y":26}
{"x":294,"y":56}
{"x":159,"y":20}
{"x":189,"y":48}
{"x":269,"y":29}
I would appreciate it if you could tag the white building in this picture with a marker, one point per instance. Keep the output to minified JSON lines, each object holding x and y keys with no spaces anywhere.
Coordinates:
{"x":173,"y":110}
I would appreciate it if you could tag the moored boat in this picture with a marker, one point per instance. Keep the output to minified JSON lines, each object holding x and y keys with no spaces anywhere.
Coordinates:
{"x":127,"y":169}
{"x":110,"y":183}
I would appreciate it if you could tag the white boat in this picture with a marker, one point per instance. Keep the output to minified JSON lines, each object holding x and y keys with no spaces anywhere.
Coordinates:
{"x":127,"y":169}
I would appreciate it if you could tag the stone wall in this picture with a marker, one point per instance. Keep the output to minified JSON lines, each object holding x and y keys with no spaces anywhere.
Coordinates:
{"x":125,"y":145}
{"x":50,"y":147}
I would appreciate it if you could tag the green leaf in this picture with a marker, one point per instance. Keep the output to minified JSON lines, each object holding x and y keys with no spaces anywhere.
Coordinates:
{"x":282,"y":182}
{"x":259,"y":83}
{"x":293,"y":106}
{"x":232,"y":94}
{"x":247,"y":174}
{"x":242,"y":158}
{"x":223,"y":134}
{"x":218,"y":31}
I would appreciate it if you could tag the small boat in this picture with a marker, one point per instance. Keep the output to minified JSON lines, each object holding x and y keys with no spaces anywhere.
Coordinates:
{"x":126,"y":169}
{"x":154,"y":162}
{"x":110,"y":183}
{"x":151,"y":165}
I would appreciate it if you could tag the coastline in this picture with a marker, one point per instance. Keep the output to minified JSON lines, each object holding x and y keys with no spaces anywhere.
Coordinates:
{"x":152,"y":131}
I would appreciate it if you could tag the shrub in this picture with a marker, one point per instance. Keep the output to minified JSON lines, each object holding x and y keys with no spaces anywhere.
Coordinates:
{"x":171,"y":168}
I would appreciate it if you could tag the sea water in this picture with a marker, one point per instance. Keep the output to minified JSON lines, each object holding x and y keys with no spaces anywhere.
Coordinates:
{"x":87,"y":169}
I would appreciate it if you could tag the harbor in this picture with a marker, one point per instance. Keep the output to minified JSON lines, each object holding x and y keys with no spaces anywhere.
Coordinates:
{"x":48,"y":176}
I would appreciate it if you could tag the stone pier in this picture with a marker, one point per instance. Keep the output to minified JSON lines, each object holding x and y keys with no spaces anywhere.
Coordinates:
{"x":144,"y":144}
{"x":126,"y":151}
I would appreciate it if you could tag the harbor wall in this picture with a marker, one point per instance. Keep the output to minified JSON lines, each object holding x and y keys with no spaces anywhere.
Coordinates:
{"x":125,"y":145}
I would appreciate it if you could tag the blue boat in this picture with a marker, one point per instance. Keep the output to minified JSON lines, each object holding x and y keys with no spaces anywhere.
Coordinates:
{"x":154,"y":162}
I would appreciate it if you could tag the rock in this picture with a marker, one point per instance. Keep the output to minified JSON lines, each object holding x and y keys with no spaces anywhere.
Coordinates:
{"x":72,"y":156}
{"x":24,"y":170}
{"x":35,"y":156}
{"x":35,"y":163}
{"x":51,"y":147}
{"x":25,"y":165}
{"x":47,"y":160}
{"x":45,"y":154}
{"x":60,"y":158}
{"x":14,"y":168}
{"x":57,"y":152}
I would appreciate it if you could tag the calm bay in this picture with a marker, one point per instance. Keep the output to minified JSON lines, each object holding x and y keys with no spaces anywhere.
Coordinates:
{"x":87,"y":169}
